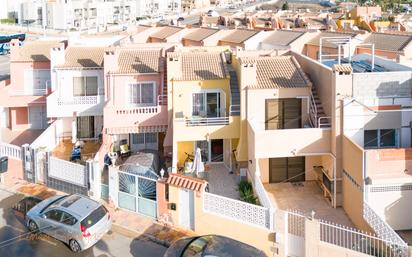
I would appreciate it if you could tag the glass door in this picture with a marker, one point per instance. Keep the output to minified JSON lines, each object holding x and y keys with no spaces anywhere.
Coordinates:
{"x":213,"y":104}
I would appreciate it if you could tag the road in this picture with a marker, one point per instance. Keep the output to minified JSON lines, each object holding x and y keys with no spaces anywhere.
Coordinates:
{"x":15,"y":240}
{"x":4,"y":67}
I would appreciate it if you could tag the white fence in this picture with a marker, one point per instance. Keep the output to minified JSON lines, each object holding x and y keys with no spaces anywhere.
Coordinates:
{"x":67,"y":171}
{"x":237,"y":210}
{"x":383,"y":230}
{"x":12,"y":151}
{"x":360,"y":241}
{"x":50,"y":137}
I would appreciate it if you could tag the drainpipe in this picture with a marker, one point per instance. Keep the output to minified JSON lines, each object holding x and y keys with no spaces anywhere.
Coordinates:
{"x":334,"y":181}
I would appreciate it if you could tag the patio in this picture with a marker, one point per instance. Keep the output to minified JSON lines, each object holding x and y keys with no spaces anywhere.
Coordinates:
{"x":305,"y":197}
{"x":220,"y":181}
{"x":64,"y":148}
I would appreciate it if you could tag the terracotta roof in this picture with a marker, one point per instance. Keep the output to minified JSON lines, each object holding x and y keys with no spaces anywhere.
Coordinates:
{"x":202,"y":65}
{"x":239,"y":36}
{"x":165,"y":32}
{"x":344,"y":68}
{"x":83,"y":57}
{"x":283,"y":37}
{"x":36,"y":51}
{"x":277,"y":72}
{"x":316,"y":40}
{"x":139,"y":60}
{"x":388,"y":42}
{"x":186,"y":182}
{"x":200,"y":34}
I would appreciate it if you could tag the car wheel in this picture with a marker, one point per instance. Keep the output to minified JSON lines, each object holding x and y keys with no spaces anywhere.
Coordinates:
{"x":74,"y":246}
{"x":33,"y":227}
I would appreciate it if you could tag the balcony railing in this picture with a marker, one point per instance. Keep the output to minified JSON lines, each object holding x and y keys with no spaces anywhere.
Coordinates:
{"x":198,"y":121}
{"x":138,"y":110}
{"x":79,"y":100}
{"x":33,"y":92}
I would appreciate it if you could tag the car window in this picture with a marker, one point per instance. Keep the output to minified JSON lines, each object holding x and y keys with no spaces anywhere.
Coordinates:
{"x":94,"y":217}
{"x":68,"y":219}
{"x":196,"y":247}
{"x":54,"y":215}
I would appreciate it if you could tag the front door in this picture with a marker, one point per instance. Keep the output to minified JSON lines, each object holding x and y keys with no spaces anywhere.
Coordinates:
{"x":216,"y":151}
{"x":85,"y":127}
{"x":290,"y":169}
{"x":186,"y":209}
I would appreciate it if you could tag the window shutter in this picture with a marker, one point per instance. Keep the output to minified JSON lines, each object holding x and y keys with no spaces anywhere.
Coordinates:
{"x":78,"y":89}
{"x":91,"y":86}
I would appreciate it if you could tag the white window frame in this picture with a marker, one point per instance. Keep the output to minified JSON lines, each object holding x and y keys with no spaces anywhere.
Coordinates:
{"x":84,"y":78}
{"x":128,"y":96}
{"x":204,"y":92}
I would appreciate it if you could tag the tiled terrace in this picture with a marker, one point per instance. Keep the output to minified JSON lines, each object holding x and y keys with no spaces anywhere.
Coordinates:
{"x":19,"y":137}
{"x":305,"y":197}
{"x":64,"y":149}
{"x":221,"y":182}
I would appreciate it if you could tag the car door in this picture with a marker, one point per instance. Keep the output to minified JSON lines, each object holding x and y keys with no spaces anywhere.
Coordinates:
{"x":66,"y":230}
{"x":51,"y":222}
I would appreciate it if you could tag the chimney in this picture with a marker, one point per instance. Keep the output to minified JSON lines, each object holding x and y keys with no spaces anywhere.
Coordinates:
{"x":174,"y":66}
{"x":14,"y":49}
{"x":57,"y":57}
{"x":248,"y":74}
{"x":111,"y":60}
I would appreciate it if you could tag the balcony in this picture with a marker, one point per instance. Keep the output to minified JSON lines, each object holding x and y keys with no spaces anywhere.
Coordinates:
{"x":126,"y":120}
{"x":66,"y":106}
{"x":24,"y":92}
{"x":288,"y":142}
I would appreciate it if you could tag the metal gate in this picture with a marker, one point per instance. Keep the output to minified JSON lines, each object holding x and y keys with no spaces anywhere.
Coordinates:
{"x":41,"y":165}
{"x":137,"y":193}
{"x":296,"y":234}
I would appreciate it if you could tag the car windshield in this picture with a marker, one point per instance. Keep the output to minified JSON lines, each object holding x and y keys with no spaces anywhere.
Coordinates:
{"x":196,"y":247}
{"x":94,"y":217}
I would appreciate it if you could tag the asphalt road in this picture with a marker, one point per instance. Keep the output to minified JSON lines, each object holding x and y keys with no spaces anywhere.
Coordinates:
{"x":15,"y":240}
{"x":4,"y":67}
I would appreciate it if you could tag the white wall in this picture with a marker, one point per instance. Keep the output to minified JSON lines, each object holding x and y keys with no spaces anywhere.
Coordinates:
{"x":65,"y":80}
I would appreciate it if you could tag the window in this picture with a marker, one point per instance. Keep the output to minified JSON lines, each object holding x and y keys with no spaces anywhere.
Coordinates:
{"x":54,"y":215}
{"x":207,"y":105}
{"x":68,"y":219}
{"x":36,"y":81}
{"x":94,"y":217}
{"x":283,"y":113}
{"x":84,"y":86}
{"x":142,"y":94}
{"x":144,"y":138}
{"x":380,"y":138}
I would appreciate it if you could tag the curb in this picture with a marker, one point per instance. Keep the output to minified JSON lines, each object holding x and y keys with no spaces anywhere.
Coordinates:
{"x":152,"y":238}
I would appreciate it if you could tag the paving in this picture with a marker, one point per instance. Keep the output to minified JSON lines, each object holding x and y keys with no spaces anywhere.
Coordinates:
{"x":222,"y":182}
{"x":15,"y":240}
{"x":306,"y":197}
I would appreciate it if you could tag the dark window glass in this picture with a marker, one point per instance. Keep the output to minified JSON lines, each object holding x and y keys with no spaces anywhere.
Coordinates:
{"x":68,"y":219}
{"x":387,"y":138}
{"x":94,"y":217}
{"x":54,"y":215}
{"x":371,"y":138}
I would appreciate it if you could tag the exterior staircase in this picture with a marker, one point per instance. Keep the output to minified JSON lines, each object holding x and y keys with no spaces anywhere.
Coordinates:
{"x":319,"y":120}
{"x":234,"y":93}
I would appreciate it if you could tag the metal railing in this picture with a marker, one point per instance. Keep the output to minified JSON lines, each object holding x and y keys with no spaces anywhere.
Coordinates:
{"x":194,"y":121}
{"x":382,"y":229}
{"x":237,"y":210}
{"x":29,"y":92}
{"x":324,"y":122}
{"x":313,"y":112}
{"x":234,"y":110}
{"x":12,"y":151}
{"x":359,"y":241}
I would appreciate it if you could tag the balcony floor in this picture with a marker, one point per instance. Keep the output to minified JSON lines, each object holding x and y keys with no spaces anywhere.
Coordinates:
{"x":64,"y":149}
{"x":19,"y":137}
{"x":305,"y":197}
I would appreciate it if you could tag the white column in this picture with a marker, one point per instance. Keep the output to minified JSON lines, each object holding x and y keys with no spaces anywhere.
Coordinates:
{"x":74,"y":131}
{"x":174,"y":158}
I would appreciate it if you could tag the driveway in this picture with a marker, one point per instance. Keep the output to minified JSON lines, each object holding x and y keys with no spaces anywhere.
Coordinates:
{"x":15,"y":240}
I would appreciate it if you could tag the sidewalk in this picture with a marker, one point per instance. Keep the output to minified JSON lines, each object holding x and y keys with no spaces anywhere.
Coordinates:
{"x":128,"y":223}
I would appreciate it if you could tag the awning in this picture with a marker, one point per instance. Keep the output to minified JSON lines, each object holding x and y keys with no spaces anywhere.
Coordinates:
{"x":186,"y":182}
{"x":136,"y":129}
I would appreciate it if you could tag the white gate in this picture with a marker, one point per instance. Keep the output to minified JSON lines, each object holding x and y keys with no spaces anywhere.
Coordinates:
{"x":40,"y":166}
{"x":137,"y":193}
{"x":296,"y":234}
{"x":186,"y":208}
